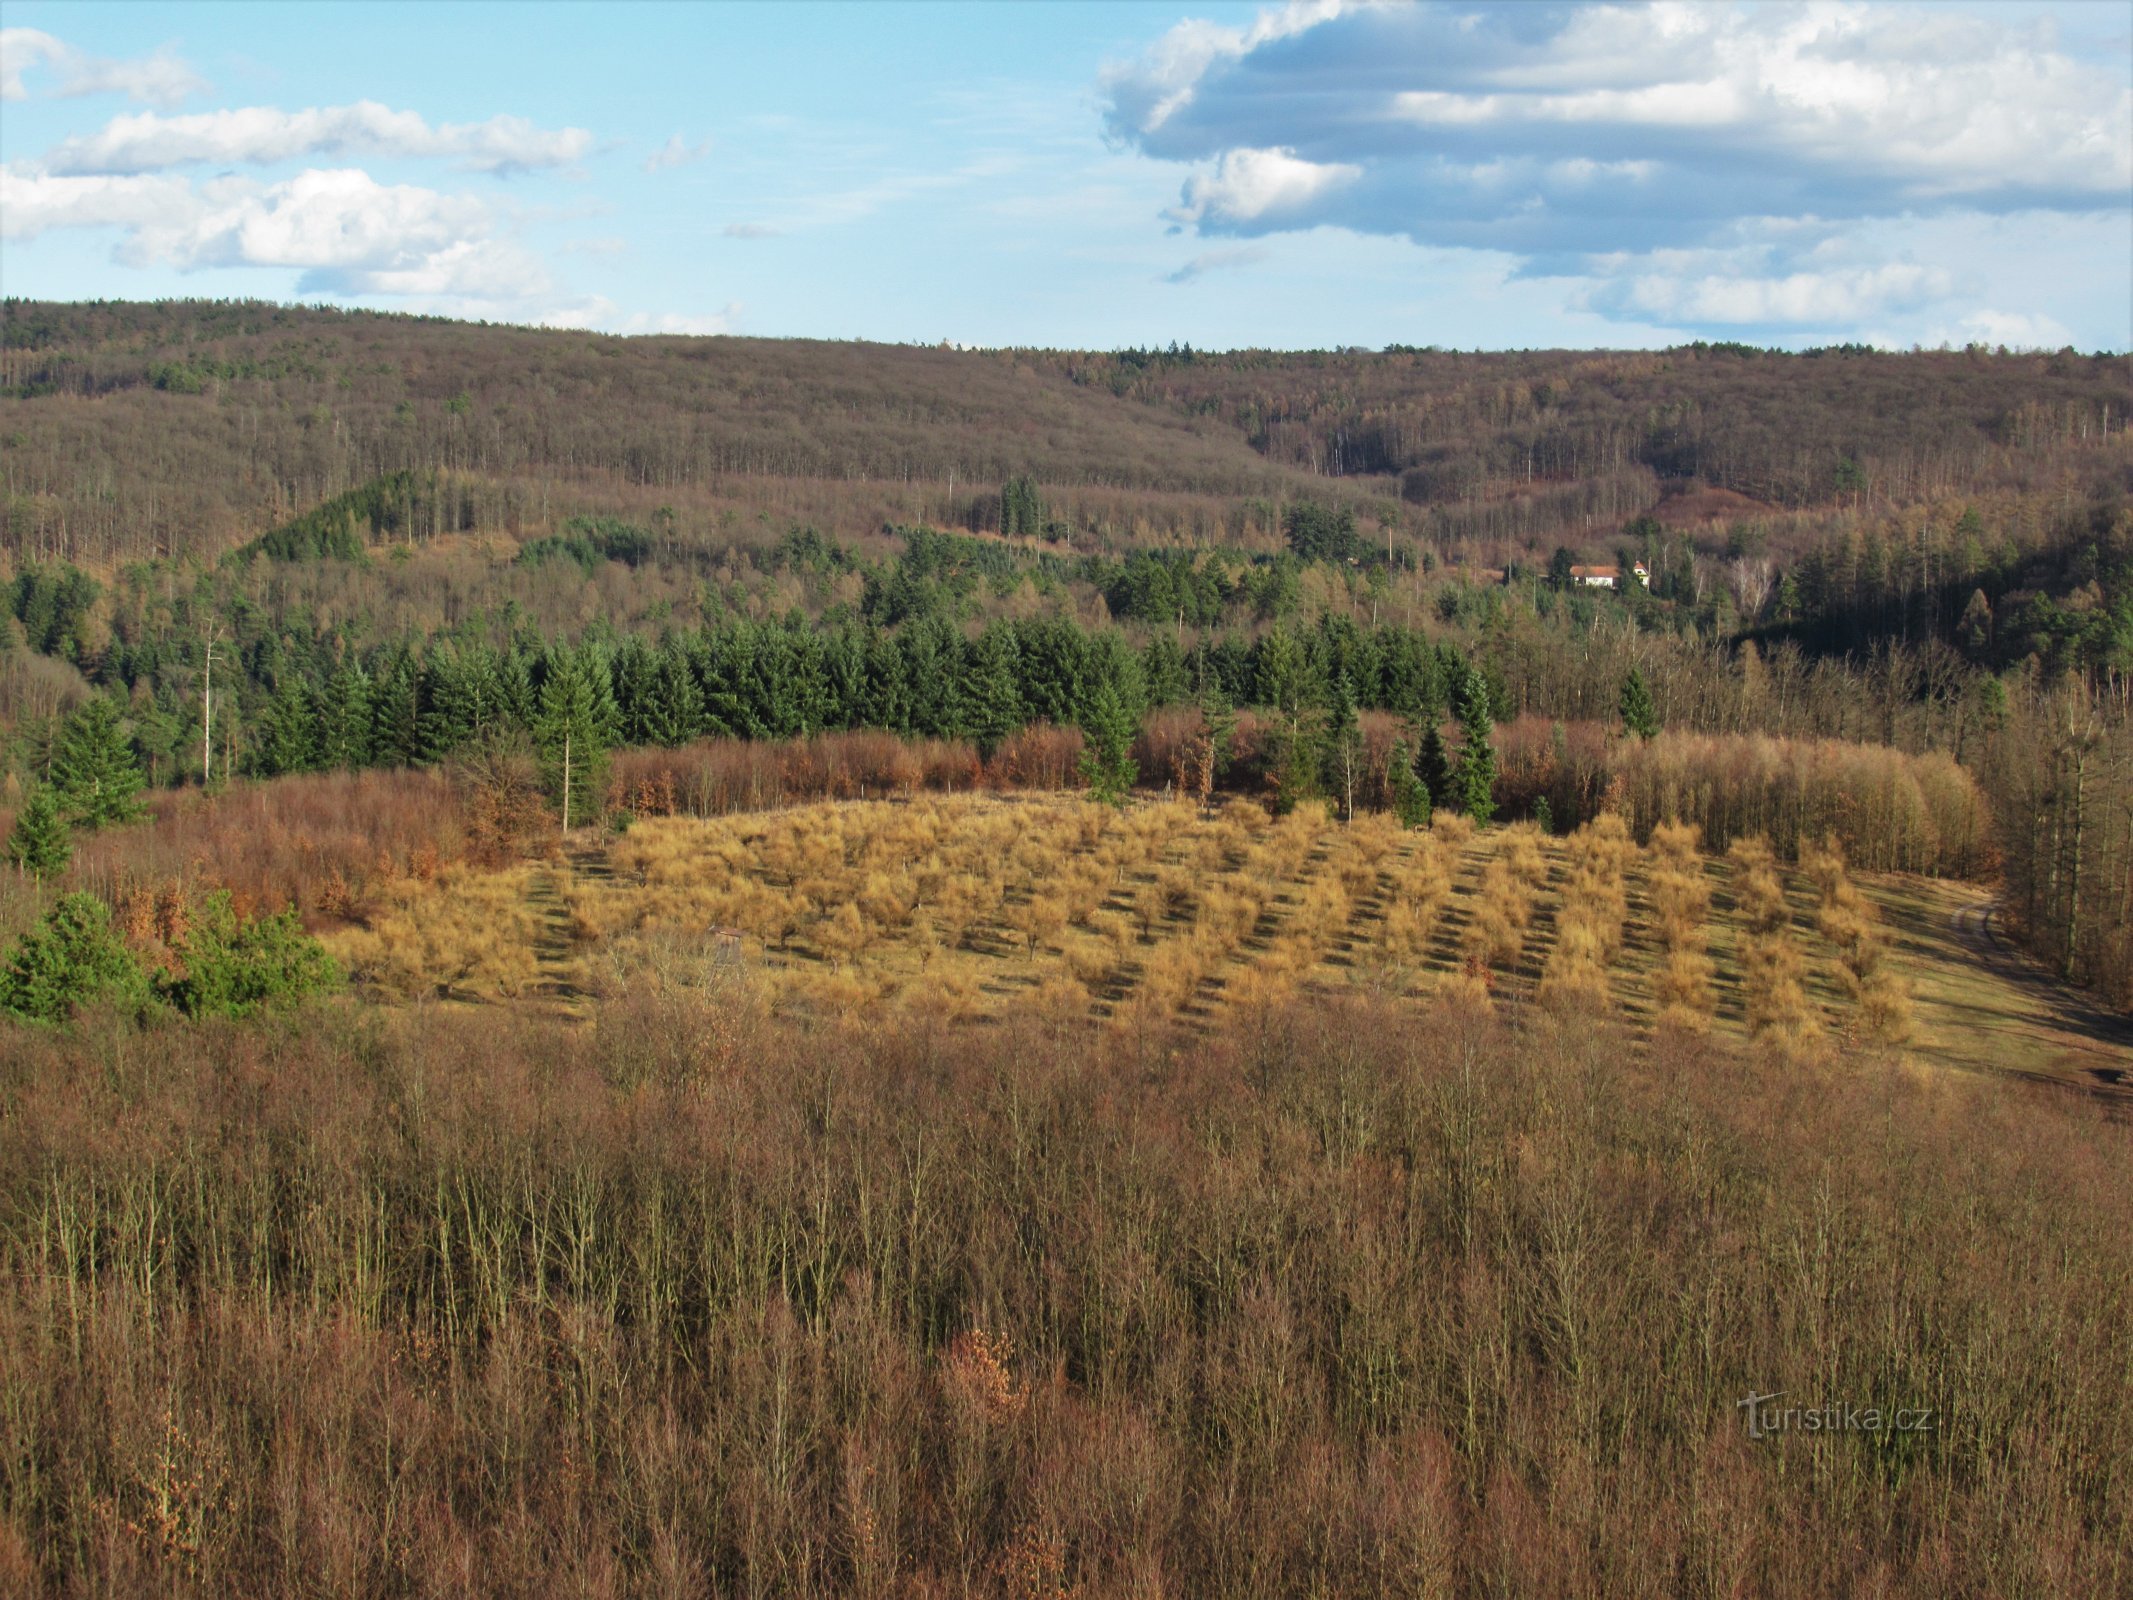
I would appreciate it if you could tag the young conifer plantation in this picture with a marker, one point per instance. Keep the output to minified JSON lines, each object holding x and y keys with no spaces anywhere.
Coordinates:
{"x":675,"y":967}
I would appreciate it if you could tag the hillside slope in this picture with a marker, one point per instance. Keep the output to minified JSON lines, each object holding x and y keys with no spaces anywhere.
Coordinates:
{"x":181,"y":428}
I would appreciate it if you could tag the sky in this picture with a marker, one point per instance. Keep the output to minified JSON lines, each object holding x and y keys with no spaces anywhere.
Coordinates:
{"x":1308,"y":175}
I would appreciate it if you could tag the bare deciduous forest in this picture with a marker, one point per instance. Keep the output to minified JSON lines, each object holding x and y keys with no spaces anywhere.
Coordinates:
{"x":675,"y":965}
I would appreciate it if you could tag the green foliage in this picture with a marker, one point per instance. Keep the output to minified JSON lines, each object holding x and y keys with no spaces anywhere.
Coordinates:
{"x":53,"y":604}
{"x":289,"y":732}
{"x":1021,"y":510}
{"x":39,"y":843}
{"x":1107,"y":764}
{"x":71,"y":958}
{"x":1476,"y":778}
{"x":1341,"y":746}
{"x":1321,"y":533}
{"x":93,"y":770}
{"x":1293,"y":759}
{"x":232,"y":966}
{"x":1433,"y":768}
{"x":1560,"y":576}
{"x":992,"y":700}
{"x":572,"y":733}
{"x":590,"y":541}
{"x":1639,"y":715}
{"x":1411,"y":801}
{"x":341,"y":528}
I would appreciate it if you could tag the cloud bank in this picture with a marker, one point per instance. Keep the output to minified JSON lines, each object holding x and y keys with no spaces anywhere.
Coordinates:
{"x":160,"y":79}
{"x":261,"y":135}
{"x":1704,"y":160}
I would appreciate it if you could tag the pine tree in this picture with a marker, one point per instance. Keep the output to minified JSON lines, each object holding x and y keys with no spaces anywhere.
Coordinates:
{"x":677,"y":704}
{"x":1343,"y":747}
{"x":1107,"y":764}
{"x":93,"y":769}
{"x":344,"y":719}
{"x":68,"y":960}
{"x":396,"y":732}
{"x":1411,"y":801}
{"x":1476,"y":780}
{"x":571,"y":734}
{"x":1433,"y":766}
{"x":992,"y":698}
{"x":39,"y":844}
{"x":1639,"y":715}
{"x":288,"y":740}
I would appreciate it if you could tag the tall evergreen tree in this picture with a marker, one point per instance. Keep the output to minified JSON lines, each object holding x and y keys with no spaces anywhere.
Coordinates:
{"x":396,"y":714}
{"x":1107,"y":764}
{"x":992,"y":700}
{"x":93,"y":768}
{"x":1163,"y":671}
{"x":288,"y":735}
{"x":1639,"y":715}
{"x":1343,"y":746}
{"x":1433,"y":767}
{"x":1411,"y":801}
{"x":1477,"y":755}
{"x":39,"y":844}
{"x":344,"y":722}
{"x":572,"y":733}
{"x":677,"y":704}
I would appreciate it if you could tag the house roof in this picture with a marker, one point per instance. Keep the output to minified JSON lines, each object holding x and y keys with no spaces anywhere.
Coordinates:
{"x":1595,"y":572}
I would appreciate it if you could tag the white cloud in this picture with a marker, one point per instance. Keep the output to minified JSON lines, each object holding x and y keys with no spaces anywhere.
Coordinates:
{"x":2018,"y":330}
{"x":1638,"y":147}
{"x":673,"y":322}
{"x":751,"y":230}
{"x":1804,"y":298}
{"x":160,"y":79}
{"x":676,"y":152}
{"x":1215,"y":261}
{"x":1147,"y":92}
{"x":147,"y":142}
{"x":322,"y":218}
{"x":21,"y":49}
{"x":1743,"y":111}
{"x":1260,"y":186}
{"x":32,"y":202}
{"x":347,"y":233}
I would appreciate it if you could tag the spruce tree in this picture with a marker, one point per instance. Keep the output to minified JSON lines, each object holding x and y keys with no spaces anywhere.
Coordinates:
{"x":1639,"y":715}
{"x":992,"y":698}
{"x":70,"y":959}
{"x":572,"y":733}
{"x":344,"y":719}
{"x":39,"y":844}
{"x":396,"y":730}
{"x":1411,"y":801}
{"x":677,"y":704}
{"x":288,"y":739}
{"x":93,"y":769}
{"x":1433,"y":766}
{"x":1477,"y":757}
{"x":1107,"y":764}
{"x":1342,"y":752}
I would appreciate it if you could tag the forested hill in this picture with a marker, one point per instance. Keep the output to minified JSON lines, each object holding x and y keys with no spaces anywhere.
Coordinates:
{"x":136,"y":431}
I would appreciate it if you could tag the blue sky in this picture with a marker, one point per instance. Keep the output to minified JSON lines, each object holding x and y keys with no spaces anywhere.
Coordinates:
{"x":1306,"y":175}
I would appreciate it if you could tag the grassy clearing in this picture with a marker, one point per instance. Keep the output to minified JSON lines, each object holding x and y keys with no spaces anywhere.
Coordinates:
{"x":972,"y":907}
